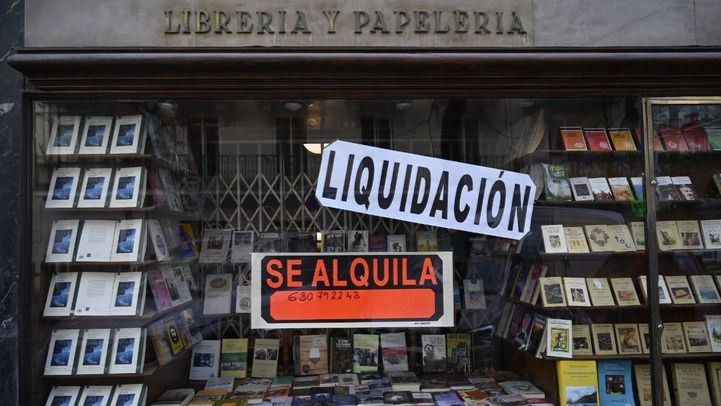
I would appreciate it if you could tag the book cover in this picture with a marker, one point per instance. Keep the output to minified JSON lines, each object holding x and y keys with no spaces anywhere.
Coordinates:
{"x":301,"y":242}
{"x":559,"y":338}
{"x":581,"y":338}
{"x":128,"y":354}
{"x":426,"y":241}
{"x":665,"y":189}
{"x":581,"y":189}
{"x":96,"y":241}
{"x":679,"y":289}
{"x":576,"y":291}
{"x":128,"y":135}
{"x":93,"y":351}
{"x":552,"y":293}
{"x":644,"y":390}
{"x":459,"y":352}
{"x":638,"y":231}
{"x":577,"y":382}
{"x":447,"y":399}
{"x":673,"y":139}
{"x":525,"y":389}
{"x":713,"y":326}
{"x":576,"y":240}
{"x":377,"y":243}
{"x":61,"y":294}
{"x":94,"y":191}
{"x":599,"y":291}
{"x":312,"y":354}
{"x":664,"y":296}
{"x":95,"y":294}
{"x":218,"y":293}
{"x":622,"y":139}
{"x":63,"y":395}
{"x":334,"y":241}
{"x":394,"y":352}
{"x":597,"y":139}
{"x":64,"y":135}
{"x":713,"y":134}
{"x":205,"y":360}
{"x":690,"y":234}
{"x":714,"y":372}
{"x":556,"y":183}
{"x":637,"y":185}
{"x":684,"y":187}
{"x":265,"y":357}
{"x":341,"y":355}
{"x":620,"y":189}
{"x":62,"y":352}
{"x":621,"y":238}
{"x":242,"y":246}
{"x":63,"y":188}
{"x":573,"y":139}
{"x":696,"y":139}
{"x":697,"y":339}
{"x":434,"y":352}
{"x":554,"y":239}
{"x":188,"y":248}
{"x":705,"y":289}
{"x":94,"y":395}
{"x":242,"y":299}
{"x":357,"y":240}
{"x":128,"y":241}
{"x":689,"y":381}
{"x":128,"y":187}
{"x":234,"y":357}
{"x":128,"y":296}
{"x":711,"y":233}
{"x":625,"y":292}
{"x":365,"y":353}
{"x":614,"y":382}
{"x":600,"y":189}
{"x":629,"y":338}
{"x":668,"y":236}
{"x":672,"y":339}
{"x":157,"y":237}
{"x":215,"y":246}
{"x":604,"y":339}
{"x":599,"y":238}
{"x":396,"y":243}
{"x":474,"y":297}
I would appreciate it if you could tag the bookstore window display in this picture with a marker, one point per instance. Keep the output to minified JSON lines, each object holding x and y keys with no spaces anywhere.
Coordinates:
{"x":147,"y":214}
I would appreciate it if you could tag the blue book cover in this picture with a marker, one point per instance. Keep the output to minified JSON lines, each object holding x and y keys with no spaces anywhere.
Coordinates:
{"x":614,"y":383}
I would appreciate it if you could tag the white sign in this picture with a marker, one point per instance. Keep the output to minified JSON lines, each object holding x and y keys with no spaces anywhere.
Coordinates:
{"x":425,"y":190}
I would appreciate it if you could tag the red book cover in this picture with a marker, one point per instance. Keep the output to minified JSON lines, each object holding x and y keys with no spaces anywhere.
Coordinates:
{"x":673,"y":139}
{"x":696,"y":139}
{"x":597,"y":139}
{"x":573,"y":139}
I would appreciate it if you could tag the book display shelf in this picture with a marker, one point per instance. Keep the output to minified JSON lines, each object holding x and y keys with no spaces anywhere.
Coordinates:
{"x":151,"y":222}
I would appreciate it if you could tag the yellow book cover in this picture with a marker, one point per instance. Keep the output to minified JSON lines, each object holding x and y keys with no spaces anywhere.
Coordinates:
{"x":621,"y":139}
{"x":577,"y":382}
{"x":234,"y":357}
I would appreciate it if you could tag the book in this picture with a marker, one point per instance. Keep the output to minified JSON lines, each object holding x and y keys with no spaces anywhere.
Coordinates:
{"x":61,"y":245}
{"x":525,"y":389}
{"x":434,"y":352}
{"x":581,"y":339}
{"x":394,"y":352}
{"x":711,"y":233}
{"x":130,"y":394}
{"x":577,"y":382}
{"x":638,"y":231}
{"x":622,"y":139}
{"x":679,"y":289}
{"x":63,"y":395}
{"x":672,"y":339}
{"x":95,"y":294}
{"x":581,"y":189}
{"x":377,"y":243}
{"x":690,"y":234}
{"x":128,"y":187}
{"x":187,"y":247}
{"x":576,"y":291}
{"x":696,"y":139}
{"x":128,"y":135}
{"x":665,"y":189}
{"x":233,"y":358}
{"x":614,"y":382}
{"x":637,"y":185}
{"x":93,"y":355}
{"x":205,"y":360}
{"x":365,"y":353}
{"x":697,"y":339}
{"x":556,"y":183}
{"x":458,"y":354}
{"x":597,"y":139}
{"x":61,"y":294}
{"x":64,"y":135}
{"x":714,"y":374}
{"x":673,"y":139}
{"x":474,"y":297}
{"x":396,"y":243}
{"x":559,"y":338}
{"x":96,"y":395}
{"x":604,"y":339}
{"x":357,"y":240}
{"x":599,"y":291}
{"x":301,"y":242}
{"x":552,"y":293}
{"x":128,"y":351}
{"x":629,"y":338}
{"x":242,"y":246}
{"x":668,"y":236}
{"x":341,"y":355}
{"x":175,"y":397}
{"x":128,"y":298}
{"x":62,"y":352}
{"x":621,"y":238}
{"x":218,"y":294}
{"x":620,"y":189}
{"x":95,"y":135}
{"x":625,"y":292}
{"x":447,"y":399}
{"x":642,"y":373}
{"x":664,"y":297}
{"x":573,"y":139}
{"x":265,"y":357}
{"x":599,"y":238}
{"x":685,"y":189}
{"x":157,"y":238}
{"x":426,"y":241}
{"x":645,"y":338}
{"x":705,"y":289}
{"x":243,"y":301}
{"x":576,"y":240}
{"x":94,"y":190}
{"x":600,"y":189}
{"x":554,"y":239}
{"x":129,"y":241}
{"x":690,"y":386}
{"x":334,"y":241}
{"x":656,"y":140}
{"x":215,"y":246}
{"x":713,"y":134}
{"x":63,"y":188}
{"x":96,"y":241}
{"x":312,"y":354}
{"x":713,"y":326}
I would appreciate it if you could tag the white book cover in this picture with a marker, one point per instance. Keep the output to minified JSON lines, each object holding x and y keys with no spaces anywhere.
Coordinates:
{"x":177,"y":283}
{"x":63,"y":188}
{"x":127,"y":290}
{"x":95,"y":187}
{"x":554,"y":239}
{"x":216,"y":243}
{"x":559,"y":338}
{"x":713,"y":325}
{"x":711,"y":233}
{"x":242,"y":299}
{"x":581,"y":189}
{"x":638,"y":230}
{"x":96,"y":395}
{"x":128,"y":135}
{"x":357,"y":240}
{"x":394,"y":352}
{"x":94,"y":352}
{"x":576,"y":291}
{"x":663,"y":295}
{"x":218,"y":293}
{"x":95,"y":294}
{"x":242,"y":246}
{"x":474,"y":294}
{"x":705,"y":289}
{"x":434,"y":352}
{"x":128,"y":242}
{"x":205,"y":360}
{"x":621,"y":238}
{"x":64,"y":135}
{"x":61,"y":246}
{"x":679,"y":289}
{"x":61,"y":294}
{"x":62,"y":352}
{"x":600,"y":189}
{"x":157,"y":237}
{"x":128,"y":187}
{"x":95,"y":136}
{"x":265,"y":357}
{"x":96,"y":241}
{"x":63,"y":395}
{"x":128,"y":352}
{"x":396,"y":243}
{"x":129,"y":394}
{"x":690,"y":234}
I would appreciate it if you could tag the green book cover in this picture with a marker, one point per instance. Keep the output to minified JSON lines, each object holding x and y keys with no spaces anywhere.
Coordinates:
{"x":365,"y":348}
{"x":556,"y":183}
{"x":714,"y":137}
{"x":234,"y":357}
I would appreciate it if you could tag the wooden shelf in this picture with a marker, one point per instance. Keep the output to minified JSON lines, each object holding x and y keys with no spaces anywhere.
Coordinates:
{"x":139,"y":264}
{"x":148,"y":316}
{"x":100,"y":209}
{"x":688,"y":355}
{"x":540,"y":308}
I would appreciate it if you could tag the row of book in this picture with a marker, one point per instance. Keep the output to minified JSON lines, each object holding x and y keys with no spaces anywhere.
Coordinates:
{"x":129,"y":394}
{"x":597,"y":139}
{"x":70,"y":135}
{"x":104,"y":241}
{"x":696,"y":139}
{"x":128,"y":187}
{"x":96,"y":351}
